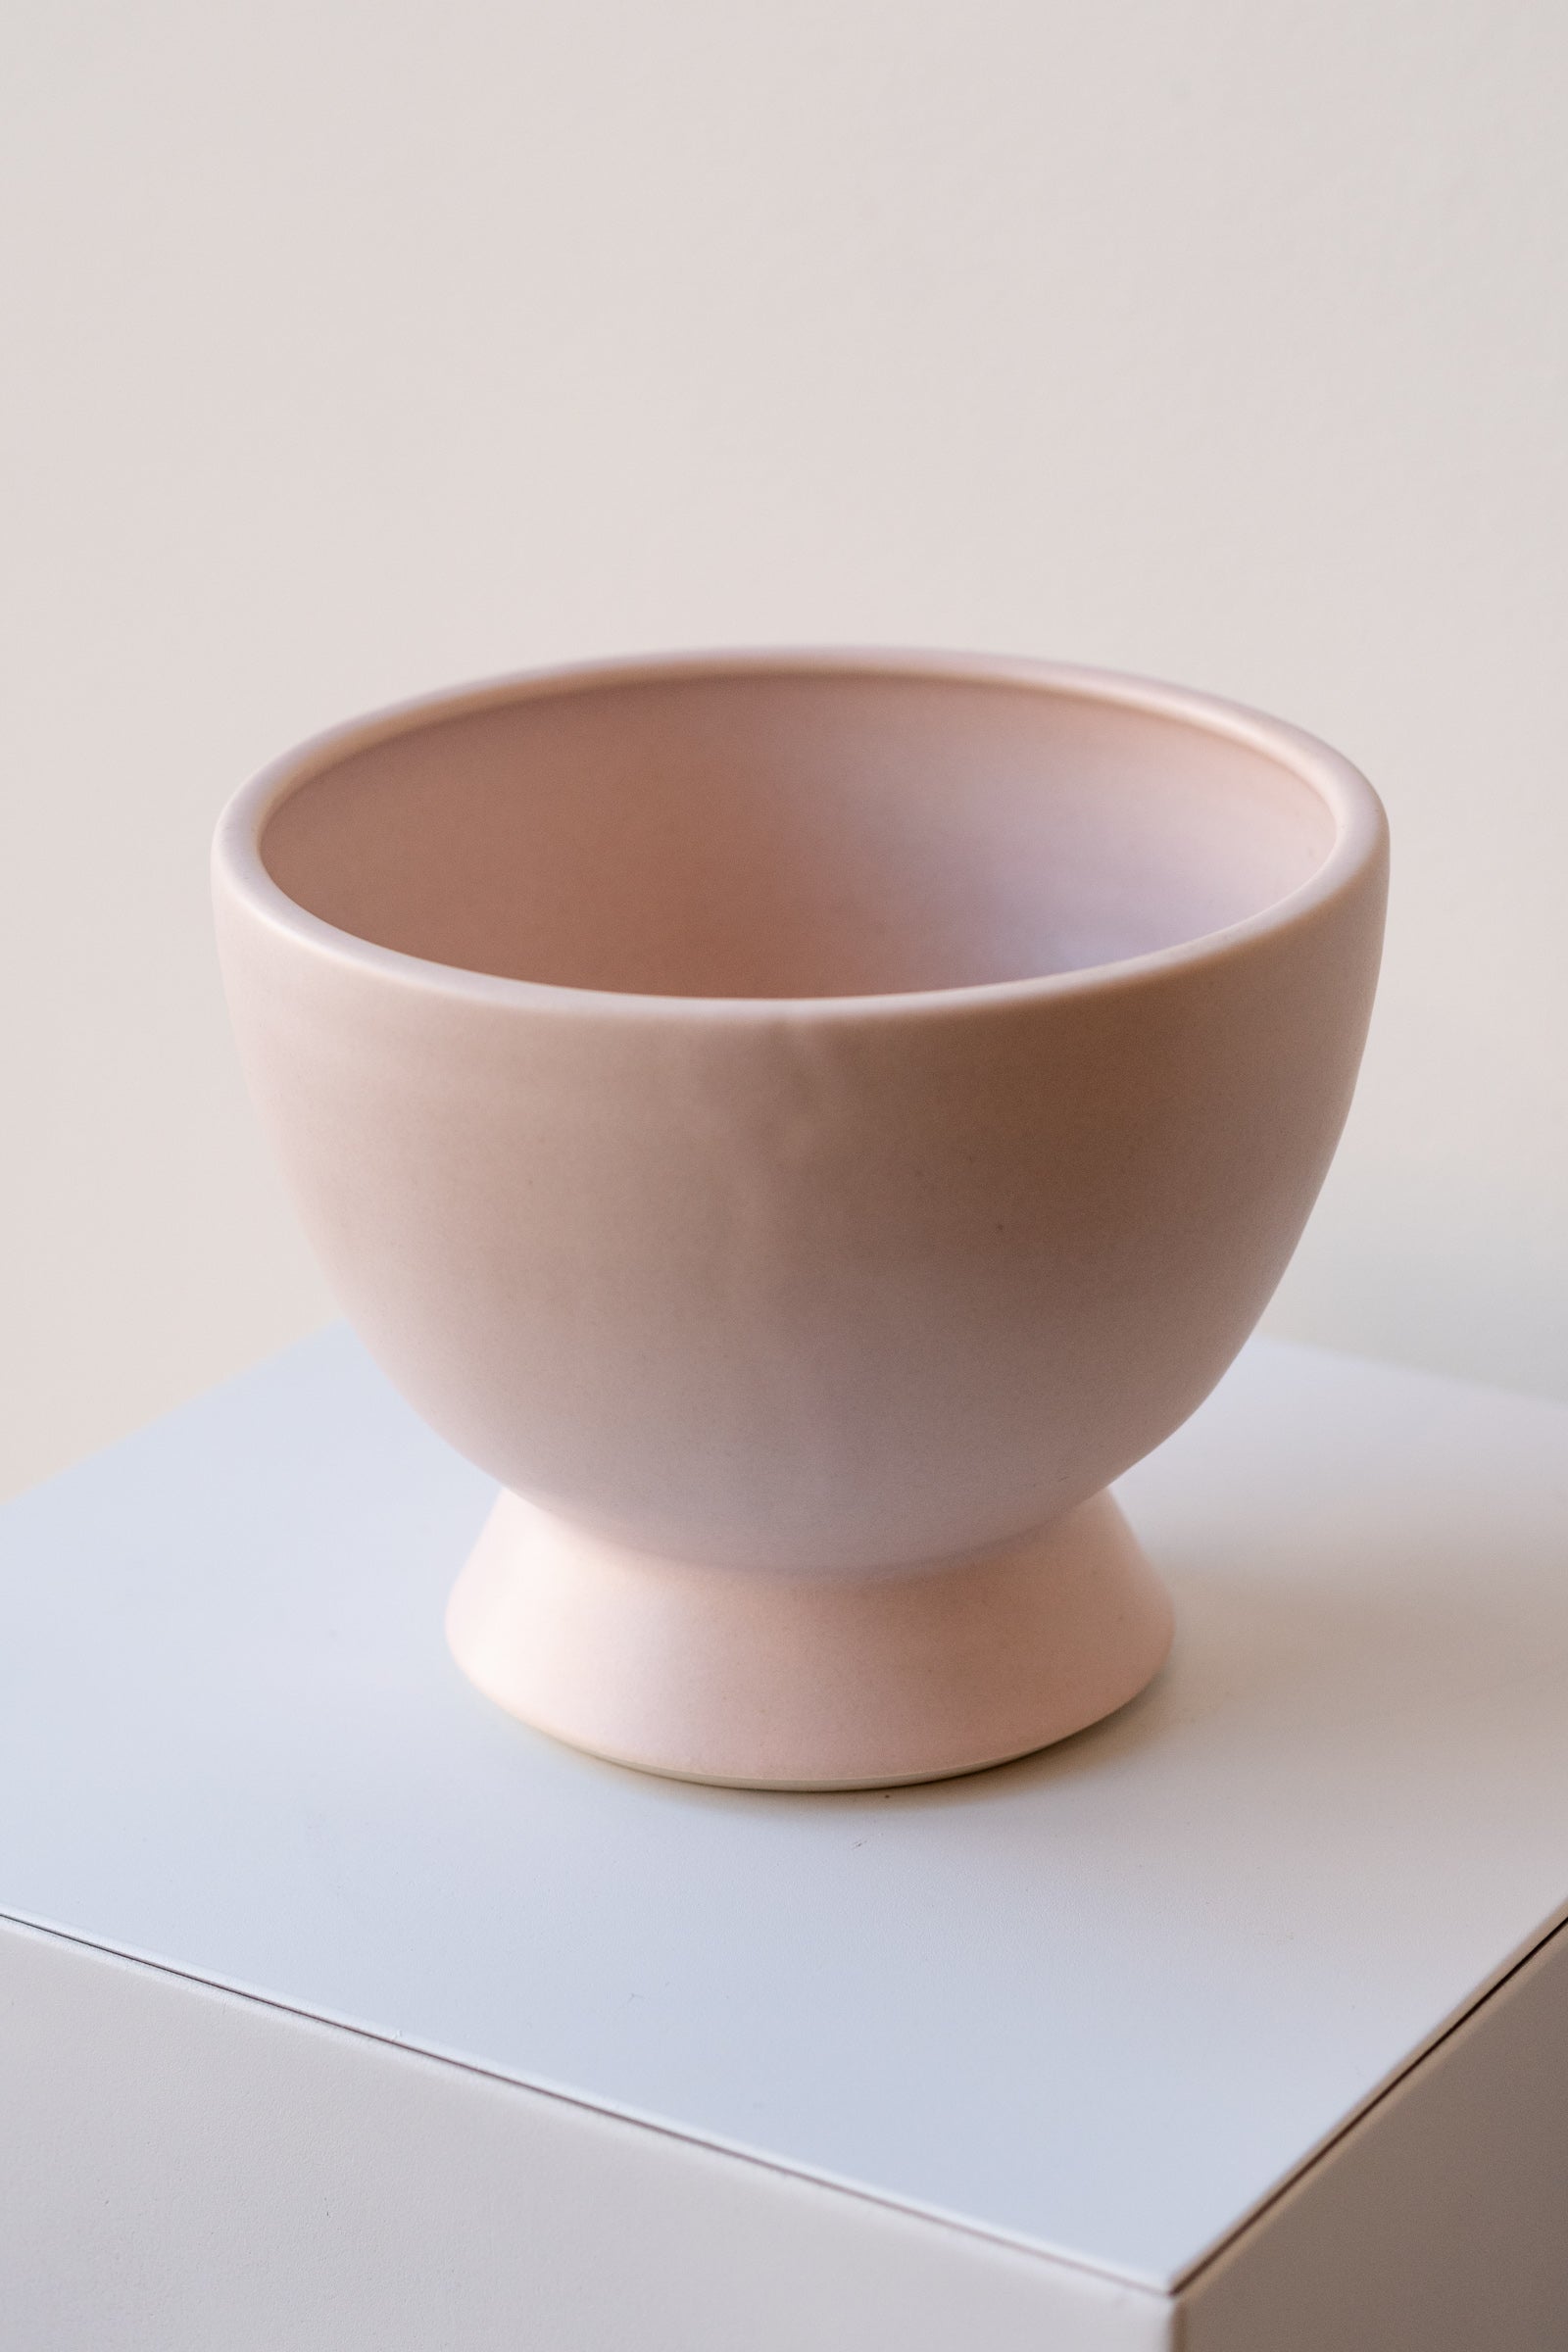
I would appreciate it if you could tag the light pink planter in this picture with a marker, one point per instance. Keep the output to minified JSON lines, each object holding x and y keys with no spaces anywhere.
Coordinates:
{"x":805,"y":1124}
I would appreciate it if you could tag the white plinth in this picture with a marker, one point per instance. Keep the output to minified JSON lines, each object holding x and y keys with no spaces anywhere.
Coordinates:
{"x":1025,"y":2059}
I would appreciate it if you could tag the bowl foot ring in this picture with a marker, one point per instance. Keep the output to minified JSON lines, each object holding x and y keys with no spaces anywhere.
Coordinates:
{"x":793,"y":1682}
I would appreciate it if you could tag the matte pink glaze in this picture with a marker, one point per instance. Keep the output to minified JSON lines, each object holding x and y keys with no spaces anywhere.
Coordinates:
{"x":807,"y":1123}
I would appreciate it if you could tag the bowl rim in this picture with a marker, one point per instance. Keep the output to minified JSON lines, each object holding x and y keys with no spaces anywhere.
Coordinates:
{"x":1359,"y":841}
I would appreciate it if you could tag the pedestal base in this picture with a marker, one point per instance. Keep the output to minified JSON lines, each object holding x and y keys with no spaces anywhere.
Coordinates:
{"x":771,"y":1682}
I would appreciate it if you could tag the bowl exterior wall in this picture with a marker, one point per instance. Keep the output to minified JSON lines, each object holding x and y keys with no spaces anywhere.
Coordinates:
{"x":796,"y":1287}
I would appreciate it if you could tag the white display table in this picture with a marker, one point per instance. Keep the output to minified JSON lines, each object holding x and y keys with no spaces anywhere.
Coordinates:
{"x":337,"y":2010}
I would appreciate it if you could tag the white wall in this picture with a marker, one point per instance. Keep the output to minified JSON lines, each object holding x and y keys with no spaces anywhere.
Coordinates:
{"x":352,"y":347}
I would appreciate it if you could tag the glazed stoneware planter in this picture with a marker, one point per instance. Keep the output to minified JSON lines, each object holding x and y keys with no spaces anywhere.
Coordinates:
{"x":805,"y":1124}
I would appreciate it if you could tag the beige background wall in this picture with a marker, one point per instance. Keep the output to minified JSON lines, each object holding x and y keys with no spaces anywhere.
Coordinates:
{"x":352,"y":347}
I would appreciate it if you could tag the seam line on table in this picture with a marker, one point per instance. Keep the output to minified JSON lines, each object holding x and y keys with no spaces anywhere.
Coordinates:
{"x":932,"y":2217}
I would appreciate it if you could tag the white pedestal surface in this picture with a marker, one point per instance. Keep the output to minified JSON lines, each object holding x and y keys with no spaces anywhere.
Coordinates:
{"x":587,"y":2059}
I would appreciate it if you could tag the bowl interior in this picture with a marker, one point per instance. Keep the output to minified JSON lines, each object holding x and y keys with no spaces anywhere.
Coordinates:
{"x":781,"y":833}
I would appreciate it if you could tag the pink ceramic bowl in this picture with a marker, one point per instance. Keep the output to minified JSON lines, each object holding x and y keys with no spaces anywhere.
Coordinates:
{"x":804,"y":1124}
